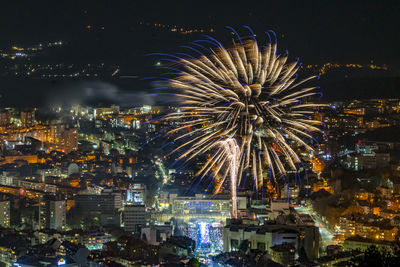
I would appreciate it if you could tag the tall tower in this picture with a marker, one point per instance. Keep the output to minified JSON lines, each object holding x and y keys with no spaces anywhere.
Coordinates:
{"x":69,"y":140}
{"x":58,"y":215}
{"x":52,"y":213}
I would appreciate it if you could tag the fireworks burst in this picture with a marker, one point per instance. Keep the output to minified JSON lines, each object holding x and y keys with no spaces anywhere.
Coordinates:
{"x":247,"y":93}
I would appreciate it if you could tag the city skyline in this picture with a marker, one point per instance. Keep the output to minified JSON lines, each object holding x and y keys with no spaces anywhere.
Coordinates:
{"x":160,"y":133}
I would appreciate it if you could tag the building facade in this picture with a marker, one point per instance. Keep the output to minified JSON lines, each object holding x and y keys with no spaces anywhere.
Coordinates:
{"x":52,"y":214}
{"x":134,"y":218}
{"x":5,"y":213}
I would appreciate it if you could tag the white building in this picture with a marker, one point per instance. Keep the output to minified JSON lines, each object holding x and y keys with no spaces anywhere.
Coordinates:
{"x":204,"y":204}
{"x":6,"y":179}
{"x":264,"y":237}
{"x":259,"y":237}
{"x":156,"y":234}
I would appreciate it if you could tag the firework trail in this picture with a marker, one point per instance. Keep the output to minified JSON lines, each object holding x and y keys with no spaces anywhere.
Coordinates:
{"x":229,"y":160}
{"x":244,"y":92}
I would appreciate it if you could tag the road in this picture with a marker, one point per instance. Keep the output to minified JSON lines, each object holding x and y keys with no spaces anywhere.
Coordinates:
{"x":162,"y":171}
{"x":327,"y":236}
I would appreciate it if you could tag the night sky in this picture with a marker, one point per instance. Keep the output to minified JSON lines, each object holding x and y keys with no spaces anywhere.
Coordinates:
{"x":316,"y":31}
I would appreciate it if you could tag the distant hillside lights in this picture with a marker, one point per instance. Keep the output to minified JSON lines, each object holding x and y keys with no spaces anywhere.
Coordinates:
{"x":105,"y":112}
{"x":17,"y":51}
{"x":327,"y":66}
{"x":178,"y":28}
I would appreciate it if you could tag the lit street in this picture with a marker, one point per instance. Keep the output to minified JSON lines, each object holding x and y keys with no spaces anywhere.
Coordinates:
{"x":327,"y":236}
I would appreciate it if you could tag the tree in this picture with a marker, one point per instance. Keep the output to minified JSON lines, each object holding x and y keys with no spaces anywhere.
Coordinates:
{"x":376,"y":257}
{"x":195,"y":262}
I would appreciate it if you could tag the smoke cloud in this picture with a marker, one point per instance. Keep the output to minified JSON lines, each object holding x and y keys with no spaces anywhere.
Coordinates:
{"x":98,"y":92}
